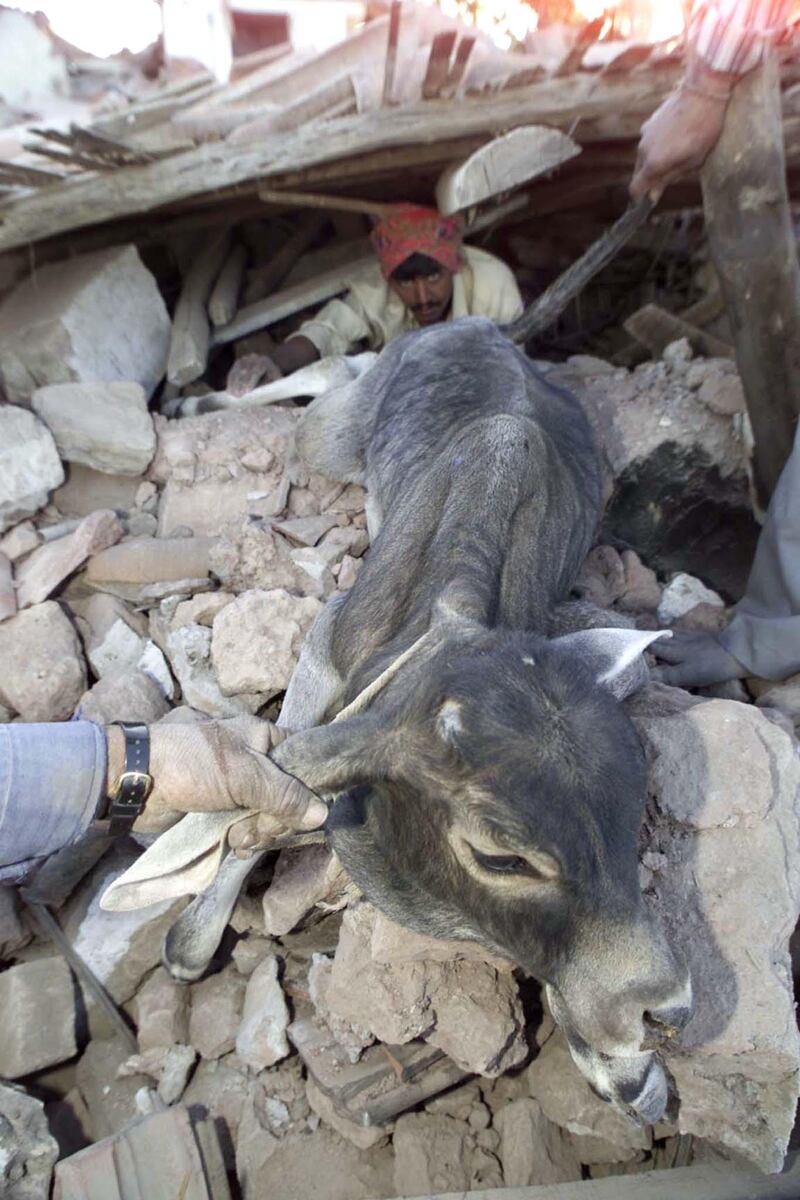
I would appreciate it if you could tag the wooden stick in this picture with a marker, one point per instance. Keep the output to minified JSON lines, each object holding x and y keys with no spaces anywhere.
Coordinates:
{"x":655,"y":328}
{"x":391,"y":53}
{"x":754,"y":250}
{"x":224,"y":297}
{"x":552,"y":302}
{"x":372,"y":208}
{"x":188,"y":350}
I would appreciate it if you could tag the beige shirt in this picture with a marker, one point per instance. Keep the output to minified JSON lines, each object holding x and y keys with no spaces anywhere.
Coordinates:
{"x":371,"y":311}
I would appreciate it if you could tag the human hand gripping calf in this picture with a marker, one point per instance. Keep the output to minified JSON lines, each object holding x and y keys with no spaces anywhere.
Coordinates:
{"x":213,"y":766}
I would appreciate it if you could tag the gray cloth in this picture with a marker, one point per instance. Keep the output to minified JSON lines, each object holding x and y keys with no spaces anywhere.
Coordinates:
{"x":765,"y":631}
{"x":51,"y":780}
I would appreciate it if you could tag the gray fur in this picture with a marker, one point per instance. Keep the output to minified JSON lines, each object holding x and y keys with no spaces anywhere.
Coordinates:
{"x":494,"y":734}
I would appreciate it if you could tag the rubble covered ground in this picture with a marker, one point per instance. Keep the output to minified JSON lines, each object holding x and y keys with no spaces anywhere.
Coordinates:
{"x":159,"y":567}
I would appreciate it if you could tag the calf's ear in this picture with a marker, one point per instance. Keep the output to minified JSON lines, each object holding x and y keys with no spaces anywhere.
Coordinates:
{"x":333,"y":758}
{"x":614,"y":655}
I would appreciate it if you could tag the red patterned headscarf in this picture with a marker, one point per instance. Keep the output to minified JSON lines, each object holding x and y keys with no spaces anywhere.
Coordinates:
{"x":413,"y":229}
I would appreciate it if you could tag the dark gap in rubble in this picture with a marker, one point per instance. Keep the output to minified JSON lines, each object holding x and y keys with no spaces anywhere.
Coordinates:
{"x":706,"y":527}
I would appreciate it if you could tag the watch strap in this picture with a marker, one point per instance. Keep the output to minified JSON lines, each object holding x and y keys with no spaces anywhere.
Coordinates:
{"x":135,"y":783}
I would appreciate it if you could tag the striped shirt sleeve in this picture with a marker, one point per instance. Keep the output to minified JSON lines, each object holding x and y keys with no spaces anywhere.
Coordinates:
{"x":733,"y":35}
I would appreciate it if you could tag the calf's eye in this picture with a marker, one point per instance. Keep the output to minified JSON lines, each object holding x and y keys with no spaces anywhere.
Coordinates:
{"x":504,"y":864}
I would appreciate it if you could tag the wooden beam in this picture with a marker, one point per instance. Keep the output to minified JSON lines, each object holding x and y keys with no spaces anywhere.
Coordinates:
{"x":504,"y":163}
{"x":89,"y":200}
{"x":262,"y":281}
{"x":391,"y":53}
{"x":224,"y":298}
{"x":438,"y":67}
{"x":754,"y":248}
{"x":188,"y":349}
{"x":290,"y":300}
{"x":371,"y":208}
{"x":655,"y":329}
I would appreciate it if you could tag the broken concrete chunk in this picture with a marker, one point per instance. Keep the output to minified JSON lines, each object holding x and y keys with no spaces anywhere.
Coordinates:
{"x":19,"y":541}
{"x":219,"y":1088}
{"x":285,"y":1169}
{"x":642,"y":589}
{"x":314,"y":577}
{"x":567,"y":1099}
{"x":44,"y":675}
{"x":464,"y":1008}
{"x":302,"y":878}
{"x":216,"y":1013}
{"x":29,"y":465}
{"x":38,"y":1028}
{"x":200,"y":610}
{"x":120,"y":948}
{"x":99,"y":317}
{"x":28,"y":1151}
{"x":392,"y":944}
{"x":169,"y":1066}
{"x":127,"y":695}
{"x":85,"y":491}
{"x":110,"y":1099}
{"x":723,"y":393}
{"x":305,"y":531}
{"x":161,"y":1012}
{"x":533,"y":1149}
{"x":682,"y":594}
{"x":189,"y":652}
{"x":785,"y":697}
{"x":725,"y":782}
{"x":49,"y":565}
{"x":261,"y":1040}
{"x":431,"y":1155}
{"x":8,"y":597}
{"x":151,"y":560}
{"x":105,"y":426}
{"x":250,"y":555}
{"x":257,"y":639}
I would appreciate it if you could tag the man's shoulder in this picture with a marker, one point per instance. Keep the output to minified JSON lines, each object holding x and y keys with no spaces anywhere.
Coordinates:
{"x":486,"y":265}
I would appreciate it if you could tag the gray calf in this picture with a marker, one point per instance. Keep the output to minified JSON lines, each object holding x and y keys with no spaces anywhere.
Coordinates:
{"x":493,"y":790}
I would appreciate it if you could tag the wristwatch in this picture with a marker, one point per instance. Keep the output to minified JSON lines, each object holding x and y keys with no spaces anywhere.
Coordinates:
{"x":134,"y":784}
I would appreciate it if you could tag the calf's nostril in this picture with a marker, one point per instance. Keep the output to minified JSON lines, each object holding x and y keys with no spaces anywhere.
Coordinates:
{"x":664,"y":1023}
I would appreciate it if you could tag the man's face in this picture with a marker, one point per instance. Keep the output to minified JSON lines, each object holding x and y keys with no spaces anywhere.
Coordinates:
{"x":427,"y":296}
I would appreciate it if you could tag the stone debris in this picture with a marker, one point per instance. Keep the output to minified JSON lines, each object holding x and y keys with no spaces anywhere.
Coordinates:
{"x":105,"y":426}
{"x":47,"y":567}
{"x":29,"y":465}
{"x":38,"y":1007}
{"x":55,"y":327}
{"x":257,"y":639}
{"x":28,"y":1151}
{"x":682,"y":594}
{"x":216,"y":1013}
{"x":127,"y":695}
{"x":261,"y":1040}
{"x":8,"y":597}
{"x":341,"y":1056}
{"x":44,"y":675}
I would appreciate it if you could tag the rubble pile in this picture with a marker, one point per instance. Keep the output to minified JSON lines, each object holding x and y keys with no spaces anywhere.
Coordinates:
{"x":155,"y":569}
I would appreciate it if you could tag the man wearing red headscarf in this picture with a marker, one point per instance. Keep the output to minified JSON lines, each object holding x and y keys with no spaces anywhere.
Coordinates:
{"x":423,"y":274}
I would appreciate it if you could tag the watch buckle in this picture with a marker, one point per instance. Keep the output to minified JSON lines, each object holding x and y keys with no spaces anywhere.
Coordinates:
{"x":133,"y":779}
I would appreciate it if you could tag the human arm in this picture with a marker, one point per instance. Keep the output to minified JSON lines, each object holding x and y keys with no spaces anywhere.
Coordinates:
{"x":335,"y":329}
{"x":727,"y":40}
{"x":53,"y":779}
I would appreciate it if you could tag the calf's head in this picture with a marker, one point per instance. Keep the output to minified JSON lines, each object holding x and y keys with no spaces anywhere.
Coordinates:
{"x":495,"y":791}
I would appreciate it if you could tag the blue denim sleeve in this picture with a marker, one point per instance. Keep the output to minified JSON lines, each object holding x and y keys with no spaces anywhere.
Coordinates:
{"x":51,"y":778}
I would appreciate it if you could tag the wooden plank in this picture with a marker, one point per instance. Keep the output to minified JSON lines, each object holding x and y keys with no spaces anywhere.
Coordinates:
{"x":159,"y":1157}
{"x":655,"y":328}
{"x":391,"y":53}
{"x":703,"y":1182}
{"x":264,"y":280}
{"x":460,"y":64}
{"x":292,"y":300}
{"x":438,"y":68}
{"x":754,"y":249}
{"x":84,"y":201}
{"x":314,"y":200}
{"x":224,"y":298}
{"x":516,"y":157}
{"x":189,"y":344}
